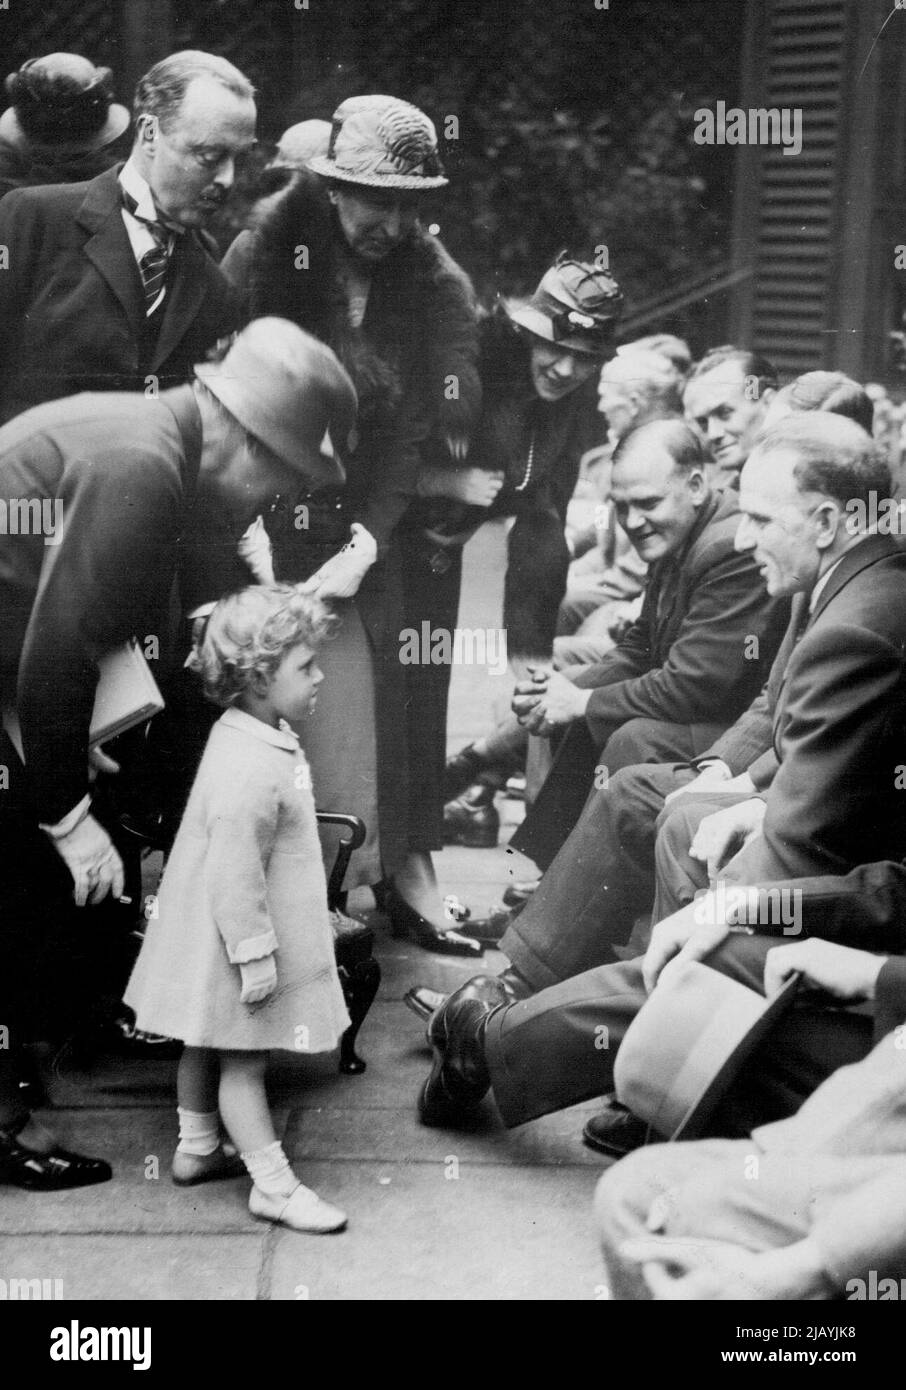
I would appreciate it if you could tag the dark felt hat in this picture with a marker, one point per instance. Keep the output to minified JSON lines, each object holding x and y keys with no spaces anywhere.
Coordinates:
{"x":289,"y":390}
{"x":63,"y":101}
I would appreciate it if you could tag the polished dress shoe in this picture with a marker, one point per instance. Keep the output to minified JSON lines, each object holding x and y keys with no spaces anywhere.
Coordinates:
{"x":423,"y":1001}
{"x":459,"y":1077}
{"x":616,"y":1131}
{"x":406,"y":922}
{"x":520,"y":892}
{"x":488,"y":930}
{"x":461,"y":770}
{"x":509,"y":987}
{"x":472,"y":819}
{"x":21,"y":1166}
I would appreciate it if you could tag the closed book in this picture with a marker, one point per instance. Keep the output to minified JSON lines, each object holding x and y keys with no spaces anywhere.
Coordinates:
{"x":126,"y":695}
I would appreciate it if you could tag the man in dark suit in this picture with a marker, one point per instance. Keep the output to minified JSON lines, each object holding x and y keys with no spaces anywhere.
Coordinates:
{"x":834,"y":800}
{"x":114,"y":482}
{"x":694,"y":660}
{"x":838,"y":735}
{"x":110,"y":284}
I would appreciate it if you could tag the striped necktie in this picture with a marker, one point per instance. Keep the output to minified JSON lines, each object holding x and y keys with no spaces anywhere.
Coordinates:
{"x":155,"y":263}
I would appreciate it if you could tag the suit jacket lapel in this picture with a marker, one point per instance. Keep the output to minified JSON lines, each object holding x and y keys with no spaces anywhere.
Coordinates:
{"x":185,"y":292}
{"x":108,"y":247}
{"x":866,"y":553}
{"x":871,"y":549}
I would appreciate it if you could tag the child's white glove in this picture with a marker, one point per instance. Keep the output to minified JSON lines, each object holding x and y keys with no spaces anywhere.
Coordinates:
{"x":341,"y":575}
{"x":259,"y":979}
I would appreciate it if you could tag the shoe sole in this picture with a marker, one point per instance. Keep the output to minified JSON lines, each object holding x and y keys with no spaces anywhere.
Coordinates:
{"x":8,"y":1181}
{"x":421,"y":1011}
{"x":301,"y":1230}
{"x":609,"y":1150}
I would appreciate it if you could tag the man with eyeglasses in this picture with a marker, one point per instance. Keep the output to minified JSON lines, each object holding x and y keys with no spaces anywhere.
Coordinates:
{"x":111,"y":285}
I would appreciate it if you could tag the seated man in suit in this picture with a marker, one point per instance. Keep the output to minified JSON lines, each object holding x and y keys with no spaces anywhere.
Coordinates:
{"x":701,"y":647}
{"x":726,"y":399}
{"x":110,"y":284}
{"x":807,"y":1207}
{"x":604,"y":875}
{"x":832,"y":804}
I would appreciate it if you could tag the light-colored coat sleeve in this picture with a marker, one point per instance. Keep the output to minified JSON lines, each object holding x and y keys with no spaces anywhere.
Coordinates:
{"x":240,"y":839}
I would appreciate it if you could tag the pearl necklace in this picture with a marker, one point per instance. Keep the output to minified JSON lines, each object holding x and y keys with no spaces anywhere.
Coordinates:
{"x":527,"y":477}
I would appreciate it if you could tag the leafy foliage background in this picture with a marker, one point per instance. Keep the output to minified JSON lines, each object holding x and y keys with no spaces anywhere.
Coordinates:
{"x":574,"y":122}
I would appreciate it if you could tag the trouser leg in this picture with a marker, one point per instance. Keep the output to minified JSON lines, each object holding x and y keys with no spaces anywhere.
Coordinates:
{"x":679,"y":876}
{"x":600,"y":881}
{"x":506,"y":748}
{"x":561,"y":798}
{"x":579,"y":768}
{"x":558,"y":1047}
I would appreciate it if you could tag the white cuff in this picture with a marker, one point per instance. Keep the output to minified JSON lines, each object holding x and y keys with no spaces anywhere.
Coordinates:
{"x":253,"y":948}
{"x":203,"y":610}
{"x":69,"y":822}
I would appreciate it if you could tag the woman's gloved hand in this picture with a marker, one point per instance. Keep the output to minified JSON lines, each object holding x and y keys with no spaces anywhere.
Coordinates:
{"x":341,"y":575}
{"x":256,"y":550}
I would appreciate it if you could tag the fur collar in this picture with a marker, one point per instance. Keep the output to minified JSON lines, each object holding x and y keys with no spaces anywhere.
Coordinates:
{"x":421,"y":308}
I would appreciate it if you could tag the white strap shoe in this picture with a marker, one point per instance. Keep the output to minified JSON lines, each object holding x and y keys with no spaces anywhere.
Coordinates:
{"x":302,"y":1211}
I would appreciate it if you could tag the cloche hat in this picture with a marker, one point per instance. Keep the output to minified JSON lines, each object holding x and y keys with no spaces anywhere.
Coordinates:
{"x":382,"y":142}
{"x":577,"y":306}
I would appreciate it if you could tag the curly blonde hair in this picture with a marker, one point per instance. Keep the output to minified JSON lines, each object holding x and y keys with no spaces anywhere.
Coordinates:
{"x":251,"y":631}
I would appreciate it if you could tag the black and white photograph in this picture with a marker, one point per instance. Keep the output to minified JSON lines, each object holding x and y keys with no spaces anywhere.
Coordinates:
{"x":453,"y":660}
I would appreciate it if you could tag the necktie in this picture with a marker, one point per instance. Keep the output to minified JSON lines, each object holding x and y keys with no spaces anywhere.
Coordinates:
{"x":155,"y":263}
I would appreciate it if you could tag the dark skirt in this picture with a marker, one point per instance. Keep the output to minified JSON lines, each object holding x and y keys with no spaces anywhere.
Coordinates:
{"x":430,"y":595}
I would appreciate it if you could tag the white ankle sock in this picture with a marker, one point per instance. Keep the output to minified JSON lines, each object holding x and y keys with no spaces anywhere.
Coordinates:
{"x":198,"y":1134}
{"x":269,"y":1170}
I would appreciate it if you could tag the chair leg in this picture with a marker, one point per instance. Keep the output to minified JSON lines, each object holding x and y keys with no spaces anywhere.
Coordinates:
{"x":360,"y":985}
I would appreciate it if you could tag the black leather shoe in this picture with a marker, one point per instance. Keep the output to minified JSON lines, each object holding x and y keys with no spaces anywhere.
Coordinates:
{"x":488,"y":930}
{"x":472,"y":819}
{"x":406,"y":922}
{"x":616,"y":1131}
{"x":459,"y":1078}
{"x":461,"y":770}
{"x":506,"y":988}
{"x":51,"y":1172}
{"x":423,"y":1001}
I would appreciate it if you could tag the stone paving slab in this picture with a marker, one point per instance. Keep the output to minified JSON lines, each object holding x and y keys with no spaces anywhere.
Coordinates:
{"x":492,"y":1233}
{"x":327,"y":1132}
{"x":161,"y":1267}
